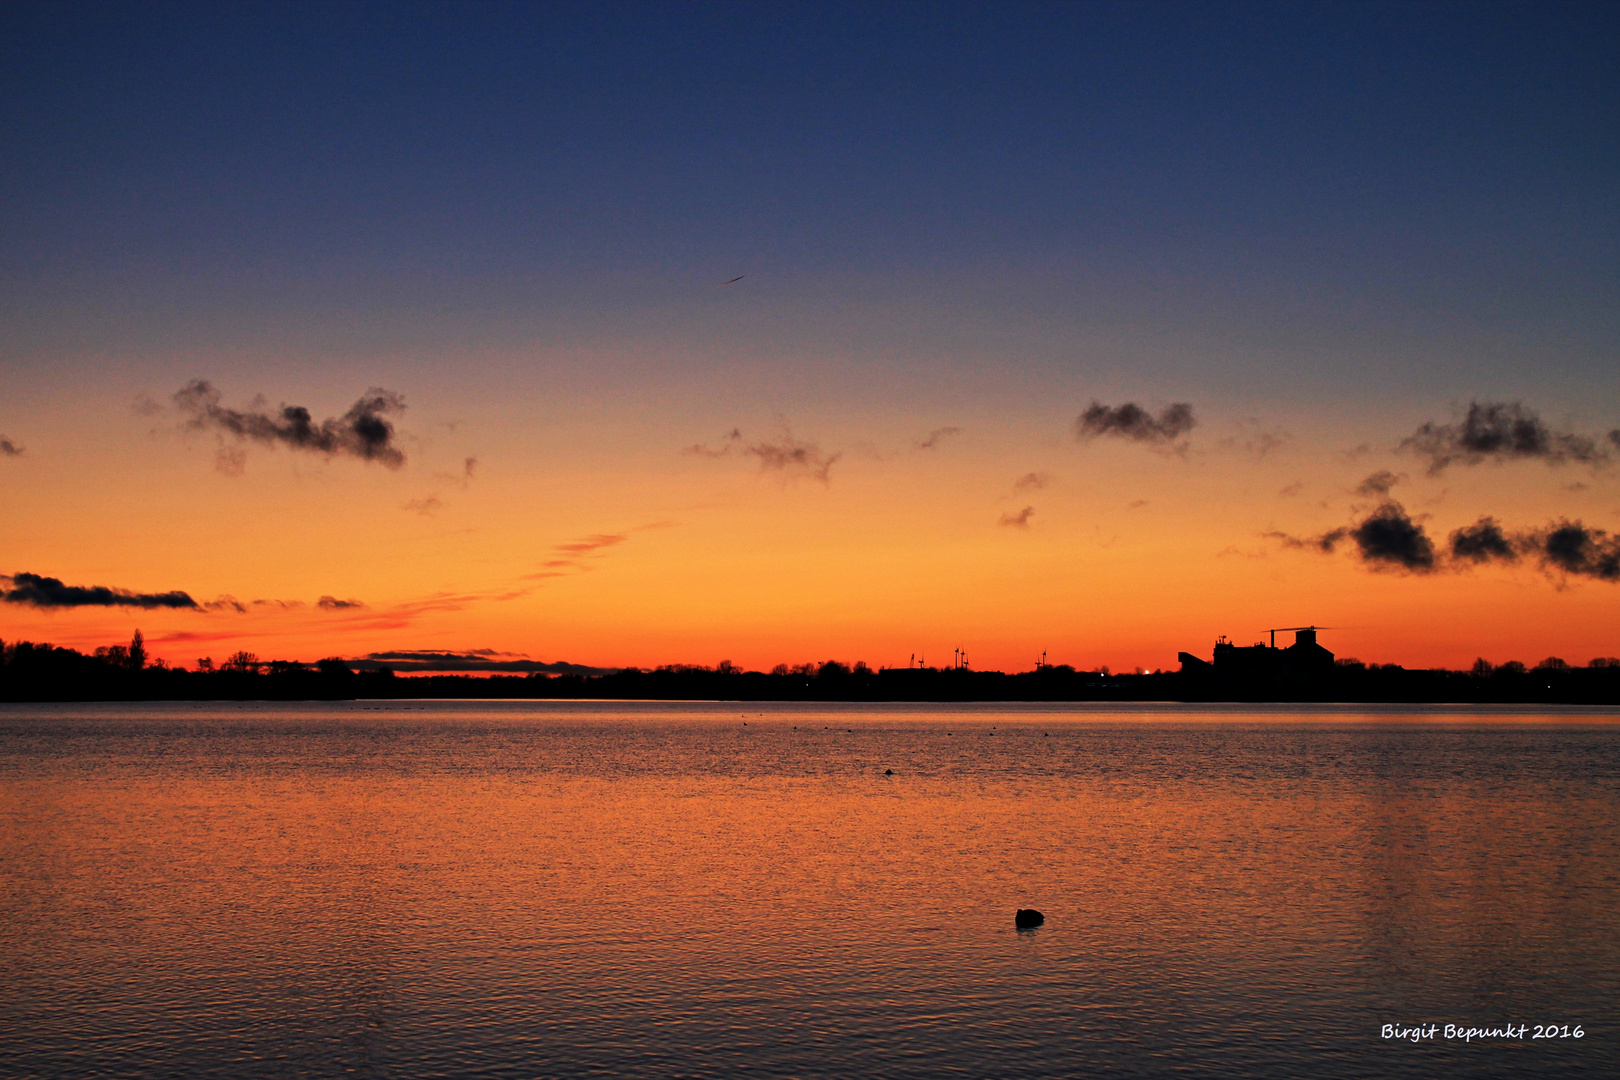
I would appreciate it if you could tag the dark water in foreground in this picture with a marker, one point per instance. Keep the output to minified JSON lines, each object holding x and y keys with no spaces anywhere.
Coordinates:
{"x":411,"y":889}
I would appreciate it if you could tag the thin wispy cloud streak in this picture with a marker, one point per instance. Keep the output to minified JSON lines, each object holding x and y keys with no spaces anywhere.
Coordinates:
{"x":468,"y":473}
{"x":1255,"y":440}
{"x":36,"y":590}
{"x":1130,"y":421}
{"x":588,"y":544}
{"x":787,"y":454}
{"x":573,"y":556}
{"x":241,"y":607}
{"x":364,"y":432}
{"x":934,"y":438}
{"x":1500,"y":431}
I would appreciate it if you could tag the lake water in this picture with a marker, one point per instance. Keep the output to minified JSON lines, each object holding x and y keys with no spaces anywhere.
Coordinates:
{"x":558,"y":889}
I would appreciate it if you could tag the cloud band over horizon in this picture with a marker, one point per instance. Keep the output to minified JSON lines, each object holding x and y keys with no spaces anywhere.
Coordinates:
{"x":36,"y":590}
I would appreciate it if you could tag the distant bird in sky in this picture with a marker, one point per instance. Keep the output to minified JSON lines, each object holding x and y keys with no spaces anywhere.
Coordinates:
{"x":733,"y":281}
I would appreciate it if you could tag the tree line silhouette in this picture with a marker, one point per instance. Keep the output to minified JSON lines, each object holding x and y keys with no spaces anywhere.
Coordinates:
{"x":31,"y":671}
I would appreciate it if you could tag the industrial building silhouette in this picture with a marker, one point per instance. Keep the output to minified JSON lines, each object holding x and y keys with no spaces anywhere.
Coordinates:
{"x":1304,"y":658}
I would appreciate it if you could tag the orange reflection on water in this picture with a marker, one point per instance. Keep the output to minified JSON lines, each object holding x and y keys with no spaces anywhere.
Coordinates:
{"x":433,"y":890}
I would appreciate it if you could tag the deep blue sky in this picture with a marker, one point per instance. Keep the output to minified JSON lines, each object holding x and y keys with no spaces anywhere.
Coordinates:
{"x":1319,"y":225}
{"x":1393,"y":169}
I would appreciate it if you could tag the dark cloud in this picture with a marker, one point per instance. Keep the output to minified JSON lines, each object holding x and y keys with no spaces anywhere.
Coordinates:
{"x":1386,"y":538}
{"x":363,"y":432}
{"x":937,"y":436}
{"x":1571,"y":548}
{"x":332,"y":603}
{"x":788,"y":454}
{"x":472,"y":660}
{"x":1500,"y":431}
{"x":9,"y":448}
{"x":1131,"y":421}
{"x":48,"y":592}
{"x":1019,"y":520}
{"x":1482,"y":542}
{"x":1378,"y":485}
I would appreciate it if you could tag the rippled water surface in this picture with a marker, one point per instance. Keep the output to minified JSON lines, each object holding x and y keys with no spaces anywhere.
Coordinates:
{"x":412,"y":889}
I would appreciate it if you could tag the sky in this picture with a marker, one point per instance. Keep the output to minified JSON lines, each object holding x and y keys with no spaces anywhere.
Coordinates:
{"x":632,"y":334}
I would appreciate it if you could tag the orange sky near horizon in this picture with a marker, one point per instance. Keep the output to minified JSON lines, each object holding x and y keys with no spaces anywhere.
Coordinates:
{"x":639,"y":551}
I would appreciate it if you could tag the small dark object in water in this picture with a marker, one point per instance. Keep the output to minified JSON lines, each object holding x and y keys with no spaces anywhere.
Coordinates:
{"x":1028,"y":917}
{"x":888,"y":772}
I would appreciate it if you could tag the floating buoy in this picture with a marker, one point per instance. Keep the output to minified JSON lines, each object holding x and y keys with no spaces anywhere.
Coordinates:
{"x":888,"y":772}
{"x":1028,"y":918}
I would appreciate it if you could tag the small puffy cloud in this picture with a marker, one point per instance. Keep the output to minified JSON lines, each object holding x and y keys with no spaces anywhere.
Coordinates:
{"x":363,"y":432}
{"x":1501,"y":431}
{"x":1131,"y":421}
{"x":1020,"y":520}
{"x":1033,"y":481}
{"x":1385,"y":539}
{"x":1482,"y":542}
{"x":9,"y":448}
{"x":1389,"y":538}
{"x":332,"y":603}
{"x":1569,"y":547}
{"x":1378,"y":485}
